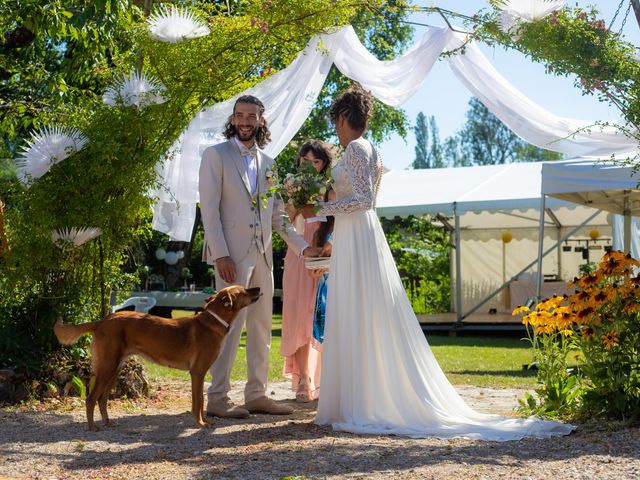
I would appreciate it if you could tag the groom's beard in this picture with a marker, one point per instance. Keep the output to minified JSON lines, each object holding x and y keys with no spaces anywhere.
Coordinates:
{"x":247,"y":136}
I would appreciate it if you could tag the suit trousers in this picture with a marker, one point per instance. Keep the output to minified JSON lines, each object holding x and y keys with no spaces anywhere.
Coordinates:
{"x":252,"y":271}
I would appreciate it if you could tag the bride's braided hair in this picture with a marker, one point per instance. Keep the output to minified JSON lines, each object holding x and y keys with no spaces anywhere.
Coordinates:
{"x":355,"y":104}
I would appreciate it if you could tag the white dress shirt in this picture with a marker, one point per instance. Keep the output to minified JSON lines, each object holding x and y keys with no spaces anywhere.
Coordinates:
{"x":250,"y":164}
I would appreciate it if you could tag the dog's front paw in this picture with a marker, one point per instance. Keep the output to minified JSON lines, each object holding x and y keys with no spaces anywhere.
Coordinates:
{"x":203,"y":424}
{"x":94,"y":428}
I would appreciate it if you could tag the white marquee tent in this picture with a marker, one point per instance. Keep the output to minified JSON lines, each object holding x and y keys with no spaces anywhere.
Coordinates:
{"x":600,"y":184}
{"x":483,"y":202}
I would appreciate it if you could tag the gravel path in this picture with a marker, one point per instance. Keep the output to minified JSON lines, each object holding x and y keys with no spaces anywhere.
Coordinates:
{"x":155,"y":439}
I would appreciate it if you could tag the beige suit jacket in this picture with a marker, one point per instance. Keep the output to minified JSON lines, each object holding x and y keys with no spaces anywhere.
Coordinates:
{"x":228,"y":209}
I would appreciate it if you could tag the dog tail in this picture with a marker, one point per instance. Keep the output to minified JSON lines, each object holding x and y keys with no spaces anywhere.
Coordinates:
{"x":68,"y":334}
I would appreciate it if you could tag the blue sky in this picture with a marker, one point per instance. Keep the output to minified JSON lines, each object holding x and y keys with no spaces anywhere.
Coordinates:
{"x":444,"y":97}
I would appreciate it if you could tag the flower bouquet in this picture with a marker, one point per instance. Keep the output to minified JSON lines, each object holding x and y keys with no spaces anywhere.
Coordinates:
{"x":305,"y":187}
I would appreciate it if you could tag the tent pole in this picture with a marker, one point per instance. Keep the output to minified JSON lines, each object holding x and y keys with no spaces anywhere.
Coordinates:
{"x":627,"y":223}
{"x":458,"y":266}
{"x":540,"y":247}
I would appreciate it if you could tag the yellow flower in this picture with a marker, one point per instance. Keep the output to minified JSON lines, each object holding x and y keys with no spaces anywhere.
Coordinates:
{"x":588,"y":333}
{"x":590,"y":280}
{"x":544,"y":329}
{"x":520,"y":310}
{"x":610,"y":339}
{"x":566,"y":332}
{"x":552,"y":302}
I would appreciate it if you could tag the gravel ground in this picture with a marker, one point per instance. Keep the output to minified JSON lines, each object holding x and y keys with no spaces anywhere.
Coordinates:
{"x":155,"y":439}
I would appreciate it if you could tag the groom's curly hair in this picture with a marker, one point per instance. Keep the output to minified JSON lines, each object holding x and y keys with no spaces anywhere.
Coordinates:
{"x":355,"y":104}
{"x":263,"y":134}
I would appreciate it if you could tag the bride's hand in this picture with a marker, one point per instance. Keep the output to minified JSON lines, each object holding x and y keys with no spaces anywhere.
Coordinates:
{"x":326,"y":250}
{"x":311,"y":252}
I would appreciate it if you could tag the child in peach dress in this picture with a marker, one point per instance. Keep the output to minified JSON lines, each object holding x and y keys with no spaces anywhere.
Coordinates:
{"x":303,"y":354}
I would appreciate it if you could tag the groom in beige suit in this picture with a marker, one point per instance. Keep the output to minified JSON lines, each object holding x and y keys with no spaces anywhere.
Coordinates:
{"x":237,"y":240}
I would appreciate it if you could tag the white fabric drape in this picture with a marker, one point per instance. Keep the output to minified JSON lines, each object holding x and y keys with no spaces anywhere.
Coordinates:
{"x":290,"y":94}
{"x":528,"y":119}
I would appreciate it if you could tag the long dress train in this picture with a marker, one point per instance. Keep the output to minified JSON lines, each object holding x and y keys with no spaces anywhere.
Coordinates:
{"x":379,"y":374}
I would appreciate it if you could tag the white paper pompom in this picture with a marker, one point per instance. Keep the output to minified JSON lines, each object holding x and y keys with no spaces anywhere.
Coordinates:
{"x":136,"y":89}
{"x":175,"y":25}
{"x":74,"y":236}
{"x":47,"y":147}
{"x":516,"y":12}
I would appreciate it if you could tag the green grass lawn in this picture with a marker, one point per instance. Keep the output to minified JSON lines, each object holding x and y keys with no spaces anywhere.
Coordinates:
{"x":479,"y":361}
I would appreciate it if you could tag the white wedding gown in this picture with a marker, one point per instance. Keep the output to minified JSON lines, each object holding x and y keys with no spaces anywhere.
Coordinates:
{"x":379,"y":375}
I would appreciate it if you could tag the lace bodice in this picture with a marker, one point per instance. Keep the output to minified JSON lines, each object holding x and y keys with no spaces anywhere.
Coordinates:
{"x":356,"y":179}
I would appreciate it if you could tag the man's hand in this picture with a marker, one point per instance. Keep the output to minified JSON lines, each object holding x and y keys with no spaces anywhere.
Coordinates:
{"x":317,"y":272}
{"x":291,"y":211}
{"x":226,"y":269}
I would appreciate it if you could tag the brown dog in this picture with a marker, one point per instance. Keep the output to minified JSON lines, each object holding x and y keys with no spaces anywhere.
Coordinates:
{"x":188,"y":343}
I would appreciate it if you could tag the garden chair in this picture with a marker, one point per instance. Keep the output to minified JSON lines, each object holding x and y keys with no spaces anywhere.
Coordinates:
{"x":140,"y":304}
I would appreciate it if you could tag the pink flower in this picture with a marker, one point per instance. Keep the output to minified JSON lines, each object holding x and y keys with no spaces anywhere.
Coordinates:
{"x":600,"y":25}
{"x":264,"y":27}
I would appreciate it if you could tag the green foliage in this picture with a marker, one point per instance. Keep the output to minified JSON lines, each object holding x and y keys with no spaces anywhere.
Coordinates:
{"x":72,"y":52}
{"x":78,"y":386}
{"x":558,"y":390}
{"x":57,"y":54}
{"x":574,"y":41}
{"x":421,"y":253}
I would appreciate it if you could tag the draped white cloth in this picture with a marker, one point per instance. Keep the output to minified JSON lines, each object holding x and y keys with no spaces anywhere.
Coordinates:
{"x":290,"y":94}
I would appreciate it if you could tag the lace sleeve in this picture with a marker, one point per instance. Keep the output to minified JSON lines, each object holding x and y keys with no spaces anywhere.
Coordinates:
{"x":358,"y":165}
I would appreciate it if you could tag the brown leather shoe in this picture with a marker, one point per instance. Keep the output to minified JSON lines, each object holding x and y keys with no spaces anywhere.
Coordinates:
{"x":225,"y":409}
{"x":266,"y":405}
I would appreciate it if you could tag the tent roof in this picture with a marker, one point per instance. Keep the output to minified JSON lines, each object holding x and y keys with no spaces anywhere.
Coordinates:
{"x":600,"y":184}
{"x":493,"y":196}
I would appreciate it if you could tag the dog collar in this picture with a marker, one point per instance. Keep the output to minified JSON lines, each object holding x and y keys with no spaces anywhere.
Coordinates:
{"x":219,"y":318}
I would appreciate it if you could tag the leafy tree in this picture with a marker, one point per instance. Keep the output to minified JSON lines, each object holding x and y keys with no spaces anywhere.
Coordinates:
{"x":106,"y":184}
{"x":421,"y":252}
{"x":485,"y":140}
{"x":428,"y":151}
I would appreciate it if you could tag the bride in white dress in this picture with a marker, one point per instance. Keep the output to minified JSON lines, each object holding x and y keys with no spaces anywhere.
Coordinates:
{"x":379,"y":375}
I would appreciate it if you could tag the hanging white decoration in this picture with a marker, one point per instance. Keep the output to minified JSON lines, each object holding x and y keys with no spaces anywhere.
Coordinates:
{"x":136,"y":89}
{"x":64,"y":237}
{"x":175,"y":24}
{"x":48,"y":146}
{"x":180,"y":254}
{"x":516,"y":12}
{"x":161,"y":253}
